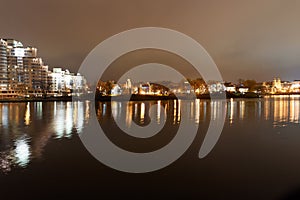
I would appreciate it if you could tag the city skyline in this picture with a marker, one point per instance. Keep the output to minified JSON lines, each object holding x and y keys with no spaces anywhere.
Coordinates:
{"x":247,"y":40}
{"x":140,"y":73}
{"x":24,"y":74}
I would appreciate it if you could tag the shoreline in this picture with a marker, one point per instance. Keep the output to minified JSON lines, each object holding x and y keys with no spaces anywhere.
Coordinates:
{"x":135,"y":97}
{"x":37,"y":99}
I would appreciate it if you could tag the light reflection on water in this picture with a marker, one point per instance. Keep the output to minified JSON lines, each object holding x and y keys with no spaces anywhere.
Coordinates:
{"x":281,"y":110}
{"x":26,"y":128}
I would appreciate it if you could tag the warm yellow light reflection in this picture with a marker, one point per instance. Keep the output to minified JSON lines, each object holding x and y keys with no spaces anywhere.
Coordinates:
{"x":231,"y":111}
{"x":242,"y":109}
{"x":197,"y":111}
{"x":158,"y":112}
{"x":27,"y":114}
{"x":142,"y":114}
{"x":128,"y":114}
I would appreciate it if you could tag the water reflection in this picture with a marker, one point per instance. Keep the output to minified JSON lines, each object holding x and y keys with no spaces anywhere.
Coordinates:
{"x":22,"y":151}
{"x":139,"y":112}
{"x":280,"y":110}
{"x":26,"y":128}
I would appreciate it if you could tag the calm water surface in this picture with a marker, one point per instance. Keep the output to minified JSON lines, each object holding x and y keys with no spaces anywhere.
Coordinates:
{"x":257,"y":155}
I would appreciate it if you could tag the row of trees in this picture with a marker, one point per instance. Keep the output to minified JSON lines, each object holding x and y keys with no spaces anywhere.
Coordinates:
{"x":107,"y":86}
{"x":251,"y":84}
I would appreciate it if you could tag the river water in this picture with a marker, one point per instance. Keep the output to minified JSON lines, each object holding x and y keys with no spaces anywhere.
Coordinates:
{"x":257,"y":155}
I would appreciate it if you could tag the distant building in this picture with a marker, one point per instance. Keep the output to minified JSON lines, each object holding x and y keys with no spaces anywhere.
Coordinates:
{"x":128,"y":87}
{"x":276,"y":87}
{"x":230,"y":87}
{"x":144,"y":88}
{"x":57,"y":80}
{"x":295,"y":86}
{"x":25,"y":70}
{"x":116,"y":90}
{"x":64,"y":81}
{"x":23,"y":73}
{"x":3,"y":65}
{"x":243,"y":90}
{"x":216,"y":87}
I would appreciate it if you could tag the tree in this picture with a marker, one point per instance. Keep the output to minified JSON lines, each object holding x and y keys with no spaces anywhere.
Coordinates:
{"x":251,"y":84}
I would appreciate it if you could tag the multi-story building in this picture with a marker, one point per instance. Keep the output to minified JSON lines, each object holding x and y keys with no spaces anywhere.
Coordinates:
{"x":24,"y":68}
{"x":23,"y":73}
{"x":15,"y":54}
{"x":295,"y":86}
{"x":3,"y":65}
{"x":57,"y":79}
{"x":64,"y":81}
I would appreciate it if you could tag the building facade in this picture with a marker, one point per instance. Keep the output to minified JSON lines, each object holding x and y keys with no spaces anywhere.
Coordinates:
{"x":3,"y":65}
{"x":23,"y":73}
{"x":63,"y":81}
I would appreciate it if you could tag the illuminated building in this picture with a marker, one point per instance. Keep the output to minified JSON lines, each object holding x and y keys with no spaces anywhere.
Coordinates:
{"x":127,"y":88}
{"x":243,"y":90}
{"x":216,"y":87}
{"x":64,"y":81}
{"x":116,"y":90}
{"x":295,"y":86}
{"x":34,"y":75}
{"x":276,"y":87}
{"x":230,"y":87}
{"x":24,"y":74}
{"x":25,"y":69}
{"x":58,"y":82}
{"x":3,"y":65}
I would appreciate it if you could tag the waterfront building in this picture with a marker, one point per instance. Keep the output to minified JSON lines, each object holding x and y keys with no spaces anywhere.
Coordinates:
{"x":3,"y":65}
{"x":33,"y":80}
{"x":62,"y":81}
{"x":57,"y":80}
{"x":116,"y":90}
{"x":276,"y":86}
{"x":295,"y":86}
{"x":216,"y":87}
{"x":128,"y":87}
{"x":243,"y":90}
{"x":24,"y":68}
{"x":23,"y":73}
{"x":230,"y":87}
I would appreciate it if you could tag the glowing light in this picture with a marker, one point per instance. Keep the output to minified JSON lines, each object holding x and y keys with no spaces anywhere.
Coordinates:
{"x":231,"y":111}
{"x":114,"y":109}
{"x":22,"y":152}
{"x":27,"y":114}
{"x":5,"y":116}
{"x":242,"y":109}
{"x":267,"y":109}
{"x":68,"y":119}
{"x":87,"y":110}
{"x":128,"y":114}
{"x":197,"y":111}
{"x":175,"y":112}
{"x":142,"y":114}
{"x":59,"y":121}
{"x":79,"y":121}
{"x":214,"y":109}
{"x":179,"y":110}
{"x":158,"y":111}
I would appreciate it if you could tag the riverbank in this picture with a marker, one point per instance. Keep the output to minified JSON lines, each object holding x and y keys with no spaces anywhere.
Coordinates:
{"x":35,"y":99}
{"x":136,"y":97}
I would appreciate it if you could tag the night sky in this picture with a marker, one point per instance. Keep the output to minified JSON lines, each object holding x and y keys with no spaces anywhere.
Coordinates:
{"x":247,"y":39}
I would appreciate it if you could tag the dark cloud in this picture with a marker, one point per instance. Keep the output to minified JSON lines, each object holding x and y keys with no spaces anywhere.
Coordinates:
{"x":247,"y":39}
